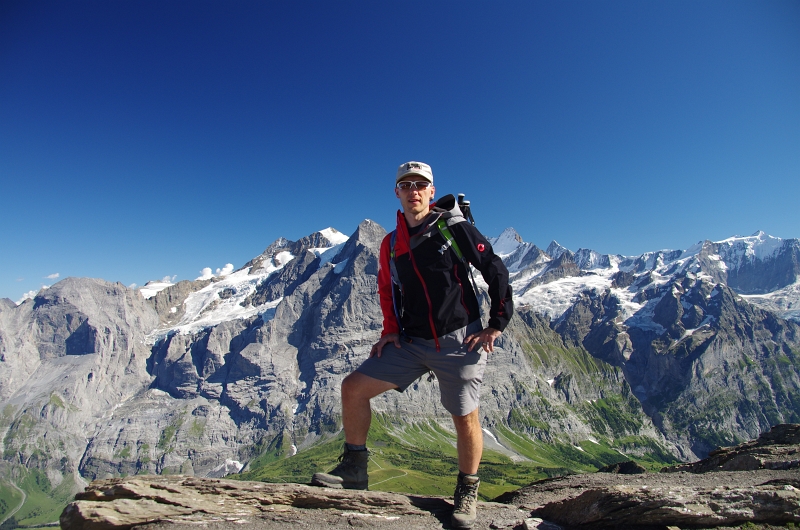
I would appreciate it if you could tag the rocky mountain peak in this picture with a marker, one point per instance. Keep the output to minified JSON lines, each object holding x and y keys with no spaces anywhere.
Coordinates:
{"x":368,"y":234}
{"x":588,"y":259}
{"x":554,"y":249}
{"x":6,"y":303}
{"x":507,"y":242}
{"x":322,"y":239}
{"x":282,"y":250}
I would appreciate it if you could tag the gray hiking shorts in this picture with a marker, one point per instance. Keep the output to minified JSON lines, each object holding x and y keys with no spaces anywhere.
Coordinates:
{"x":460,"y":372}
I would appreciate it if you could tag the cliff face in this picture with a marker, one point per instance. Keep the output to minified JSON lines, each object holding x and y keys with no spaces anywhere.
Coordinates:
{"x":708,"y":367}
{"x":69,"y":358}
{"x":223,"y":391}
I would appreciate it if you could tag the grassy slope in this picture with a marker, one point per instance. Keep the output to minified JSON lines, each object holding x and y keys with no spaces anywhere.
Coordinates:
{"x":421,"y":459}
{"x":43,"y":504}
{"x":10,"y":498}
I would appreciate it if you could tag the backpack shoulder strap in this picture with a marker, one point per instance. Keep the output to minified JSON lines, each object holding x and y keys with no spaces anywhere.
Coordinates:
{"x":392,"y":266}
{"x":398,"y":309}
{"x":450,"y":241}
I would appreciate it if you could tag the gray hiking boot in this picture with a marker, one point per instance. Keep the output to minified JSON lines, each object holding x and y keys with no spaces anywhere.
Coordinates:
{"x":465,"y":502}
{"x":351,"y":473}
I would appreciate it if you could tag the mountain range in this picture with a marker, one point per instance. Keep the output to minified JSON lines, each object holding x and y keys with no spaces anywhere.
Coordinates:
{"x":659,"y":357}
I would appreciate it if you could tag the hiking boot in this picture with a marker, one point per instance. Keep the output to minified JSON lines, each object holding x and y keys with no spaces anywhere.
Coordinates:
{"x":351,"y":473}
{"x":465,"y":501}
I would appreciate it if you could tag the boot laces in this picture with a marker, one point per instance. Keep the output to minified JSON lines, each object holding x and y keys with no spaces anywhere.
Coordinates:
{"x":465,"y":498}
{"x":347,"y":459}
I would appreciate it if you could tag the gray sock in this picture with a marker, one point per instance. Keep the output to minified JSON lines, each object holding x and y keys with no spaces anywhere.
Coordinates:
{"x":351,"y":447}
{"x":462,"y":475}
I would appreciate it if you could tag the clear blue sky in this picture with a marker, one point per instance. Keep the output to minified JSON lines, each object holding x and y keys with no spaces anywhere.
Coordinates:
{"x":143,"y":139}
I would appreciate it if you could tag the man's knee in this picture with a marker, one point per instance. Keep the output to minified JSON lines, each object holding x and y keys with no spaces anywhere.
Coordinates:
{"x":468,"y":420}
{"x":471,"y":416}
{"x":350,"y":386}
{"x":360,"y":386}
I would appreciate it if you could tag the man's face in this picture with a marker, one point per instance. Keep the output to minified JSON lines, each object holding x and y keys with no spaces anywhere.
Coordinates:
{"x":415,"y":200}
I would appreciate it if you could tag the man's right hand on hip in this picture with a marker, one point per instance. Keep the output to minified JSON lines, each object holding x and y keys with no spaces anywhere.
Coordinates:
{"x":377,"y":349}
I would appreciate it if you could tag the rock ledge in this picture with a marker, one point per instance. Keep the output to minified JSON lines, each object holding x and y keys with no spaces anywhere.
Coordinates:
{"x":756,"y":482}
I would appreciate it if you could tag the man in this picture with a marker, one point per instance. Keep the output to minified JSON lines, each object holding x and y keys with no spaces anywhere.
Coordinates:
{"x":431,"y":322}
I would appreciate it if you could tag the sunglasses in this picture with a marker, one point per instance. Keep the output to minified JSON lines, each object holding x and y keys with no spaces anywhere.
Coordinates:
{"x":414,"y":185}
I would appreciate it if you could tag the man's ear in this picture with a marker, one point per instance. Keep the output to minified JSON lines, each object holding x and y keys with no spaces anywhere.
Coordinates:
{"x":396,"y":192}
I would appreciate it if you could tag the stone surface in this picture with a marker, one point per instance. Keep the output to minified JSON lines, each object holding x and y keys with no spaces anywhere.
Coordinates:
{"x":596,"y":500}
{"x":701,"y":495}
{"x":779,"y":448}
{"x":627,"y":506}
{"x":123,"y":503}
{"x":7,"y":303}
{"x":602,"y":500}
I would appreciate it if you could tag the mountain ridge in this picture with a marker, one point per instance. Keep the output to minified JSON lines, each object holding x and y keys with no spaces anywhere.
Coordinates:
{"x":606,"y":355}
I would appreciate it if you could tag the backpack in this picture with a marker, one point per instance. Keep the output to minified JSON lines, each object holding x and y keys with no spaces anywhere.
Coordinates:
{"x":450,"y":243}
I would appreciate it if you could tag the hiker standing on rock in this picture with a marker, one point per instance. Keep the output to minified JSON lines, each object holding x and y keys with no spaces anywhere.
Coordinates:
{"x":431,"y":323}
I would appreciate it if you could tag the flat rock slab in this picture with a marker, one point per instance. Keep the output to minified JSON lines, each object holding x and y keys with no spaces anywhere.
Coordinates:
{"x":779,"y":448}
{"x":601,"y":500}
{"x":714,"y":492}
{"x":589,"y":501}
{"x":180,"y":501}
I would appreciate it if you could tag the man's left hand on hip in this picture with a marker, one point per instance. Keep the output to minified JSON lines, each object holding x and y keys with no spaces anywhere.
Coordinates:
{"x":485,"y":338}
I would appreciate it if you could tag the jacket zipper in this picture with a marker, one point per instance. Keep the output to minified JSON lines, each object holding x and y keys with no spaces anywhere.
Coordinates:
{"x":427,"y":296}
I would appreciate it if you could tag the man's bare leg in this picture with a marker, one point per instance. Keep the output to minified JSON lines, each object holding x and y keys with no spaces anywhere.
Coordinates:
{"x":351,"y":473}
{"x":357,"y":390}
{"x":469,"y":442}
{"x":470,"y":449}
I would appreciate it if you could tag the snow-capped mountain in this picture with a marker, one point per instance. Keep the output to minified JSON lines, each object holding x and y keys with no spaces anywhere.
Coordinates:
{"x":764,"y":268}
{"x":237,"y":295}
{"x":690,"y":329}
{"x":546,"y":281}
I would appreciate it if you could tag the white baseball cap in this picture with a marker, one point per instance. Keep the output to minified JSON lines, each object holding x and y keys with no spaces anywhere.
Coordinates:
{"x":414,"y":168}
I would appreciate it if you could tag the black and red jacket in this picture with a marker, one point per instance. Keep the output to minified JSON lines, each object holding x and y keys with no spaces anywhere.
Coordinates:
{"x":436,"y":296}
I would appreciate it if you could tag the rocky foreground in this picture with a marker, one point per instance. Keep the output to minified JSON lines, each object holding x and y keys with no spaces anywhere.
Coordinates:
{"x":757,"y":482}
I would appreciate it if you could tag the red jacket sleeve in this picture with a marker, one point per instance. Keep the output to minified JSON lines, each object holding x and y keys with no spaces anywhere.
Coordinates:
{"x":390,"y":324}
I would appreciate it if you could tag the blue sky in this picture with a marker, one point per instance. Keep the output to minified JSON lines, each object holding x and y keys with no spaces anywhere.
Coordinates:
{"x":143,"y":139}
